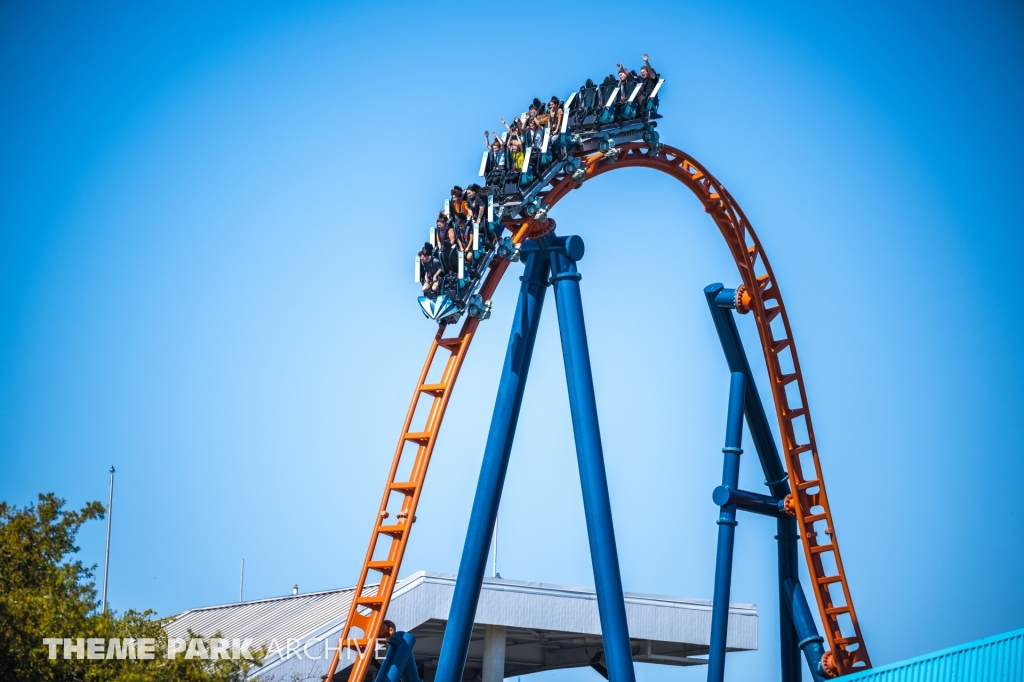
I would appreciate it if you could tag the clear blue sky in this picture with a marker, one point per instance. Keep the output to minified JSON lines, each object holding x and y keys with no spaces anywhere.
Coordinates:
{"x":207,"y":221}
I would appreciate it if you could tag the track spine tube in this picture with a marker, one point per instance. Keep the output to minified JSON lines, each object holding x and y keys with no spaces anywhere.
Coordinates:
{"x":593,"y":477}
{"x":459,"y":630}
{"x":726,"y":530}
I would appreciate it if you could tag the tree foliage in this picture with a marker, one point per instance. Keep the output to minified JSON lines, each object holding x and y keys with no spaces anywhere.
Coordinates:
{"x":46,"y":592}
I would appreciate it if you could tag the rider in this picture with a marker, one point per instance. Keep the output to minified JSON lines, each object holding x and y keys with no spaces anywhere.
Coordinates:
{"x":650,"y":81}
{"x":535,"y":108}
{"x":458,"y":203}
{"x":624,"y":77}
{"x":515,"y":148}
{"x":555,"y":114}
{"x":476,"y":203}
{"x":464,"y":239}
{"x":495,"y":154}
{"x":534,"y":135}
{"x":430,"y":270}
{"x":444,"y":237}
{"x":464,"y":236}
{"x":627,"y":83}
{"x":476,"y":199}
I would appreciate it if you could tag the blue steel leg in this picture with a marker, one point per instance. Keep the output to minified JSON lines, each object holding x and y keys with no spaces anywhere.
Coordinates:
{"x":810,"y":641}
{"x":596,"y":503}
{"x":411,"y":673}
{"x":789,"y":569}
{"x":457,"y":634}
{"x":720,"y":302}
{"x":726,"y":529}
{"x":396,"y":661}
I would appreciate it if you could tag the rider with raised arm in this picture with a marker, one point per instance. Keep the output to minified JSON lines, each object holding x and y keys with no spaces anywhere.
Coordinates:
{"x":515,"y":144}
{"x":625,"y":83}
{"x":534,"y":135}
{"x":650,"y":81}
{"x":495,"y":153}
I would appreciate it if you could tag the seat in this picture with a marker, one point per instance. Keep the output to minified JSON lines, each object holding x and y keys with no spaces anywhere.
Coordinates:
{"x":587,"y":113}
{"x":606,"y":114}
{"x":510,"y":187}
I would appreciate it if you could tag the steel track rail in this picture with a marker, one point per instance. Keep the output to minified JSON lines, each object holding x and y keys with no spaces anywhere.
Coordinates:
{"x":760,"y":295}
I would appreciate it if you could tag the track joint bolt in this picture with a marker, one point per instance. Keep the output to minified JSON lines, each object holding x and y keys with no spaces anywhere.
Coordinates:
{"x":743,"y":299}
{"x":828,"y":665}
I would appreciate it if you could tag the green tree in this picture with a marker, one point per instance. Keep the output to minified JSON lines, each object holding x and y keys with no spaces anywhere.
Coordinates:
{"x":45,"y":592}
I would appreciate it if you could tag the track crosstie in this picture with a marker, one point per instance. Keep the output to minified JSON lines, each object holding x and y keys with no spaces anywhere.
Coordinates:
{"x":759,"y":294}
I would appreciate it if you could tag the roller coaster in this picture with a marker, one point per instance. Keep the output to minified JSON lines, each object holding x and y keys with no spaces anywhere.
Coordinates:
{"x":600,"y":133}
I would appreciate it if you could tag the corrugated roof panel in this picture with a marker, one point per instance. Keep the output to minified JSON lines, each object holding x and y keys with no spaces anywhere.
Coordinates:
{"x":266,"y":619}
{"x":994,"y":659}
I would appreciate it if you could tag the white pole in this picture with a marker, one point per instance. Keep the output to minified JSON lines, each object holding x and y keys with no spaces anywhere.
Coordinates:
{"x":494,"y":566}
{"x":106,"y":558}
{"x":241,"y":581}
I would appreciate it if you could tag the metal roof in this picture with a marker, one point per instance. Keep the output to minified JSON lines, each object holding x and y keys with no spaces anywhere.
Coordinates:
{"x":265,"y":620}
{"x":549,"y":626}
{"x":993,"y":659}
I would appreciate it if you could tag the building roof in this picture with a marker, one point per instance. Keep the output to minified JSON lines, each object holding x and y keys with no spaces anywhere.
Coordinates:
{"x":1000,"y":657}
{"x":548,"y":626}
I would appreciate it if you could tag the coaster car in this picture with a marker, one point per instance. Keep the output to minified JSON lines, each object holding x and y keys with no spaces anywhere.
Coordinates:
{"x":443,"y":310}
{"x":596,"y":118}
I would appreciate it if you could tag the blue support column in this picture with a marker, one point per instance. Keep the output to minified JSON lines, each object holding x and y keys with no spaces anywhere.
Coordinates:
{"x":726,"y":529}
{"x":597,"y":505}
{"x":810,"y":641}
{"x":457,"y":634}
{"x":720,"y":302}
{"x":399,"y":663}
{"x":789,"y":569}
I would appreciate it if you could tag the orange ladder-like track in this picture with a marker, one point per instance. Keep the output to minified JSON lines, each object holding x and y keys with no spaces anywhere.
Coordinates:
{"x":760,"y":295}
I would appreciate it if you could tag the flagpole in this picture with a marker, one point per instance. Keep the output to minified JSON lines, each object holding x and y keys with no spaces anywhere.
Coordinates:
{"x":106,"y":558}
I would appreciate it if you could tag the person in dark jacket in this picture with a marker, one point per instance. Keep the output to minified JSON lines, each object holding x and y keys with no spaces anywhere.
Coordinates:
{"x":430,"y":270}
{"x":444,"y":238}
{"x":650,"y":80}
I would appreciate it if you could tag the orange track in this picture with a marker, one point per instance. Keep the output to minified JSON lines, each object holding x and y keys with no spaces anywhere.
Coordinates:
{"x":763,"y":299}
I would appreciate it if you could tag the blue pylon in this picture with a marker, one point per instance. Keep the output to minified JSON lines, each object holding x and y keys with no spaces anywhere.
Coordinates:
{"x":556,"y":255}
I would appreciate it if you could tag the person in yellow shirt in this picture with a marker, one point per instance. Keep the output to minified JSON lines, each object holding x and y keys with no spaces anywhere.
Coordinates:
{"x":515,"y":144}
